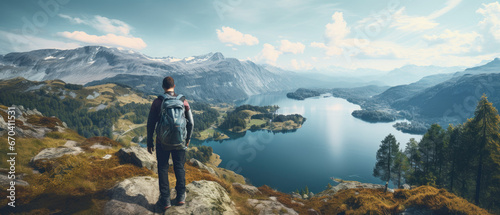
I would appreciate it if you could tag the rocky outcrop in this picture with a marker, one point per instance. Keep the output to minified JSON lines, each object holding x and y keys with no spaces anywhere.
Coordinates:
{"x":5,"y":181}
{"x":23,"y":126}
{"x":70,"y":148}
{"x":197,"y":163}
{"x":205,"y":197}
{"x":138,"y":156}
{"x":345,"y":185}
{"x":270,"y":206}
{"x":248,"y":189}
{"x":138,"y":195}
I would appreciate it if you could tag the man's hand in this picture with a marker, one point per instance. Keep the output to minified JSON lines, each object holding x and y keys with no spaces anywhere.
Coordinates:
{"x":151,"y":150}
{"x":187,"y":143}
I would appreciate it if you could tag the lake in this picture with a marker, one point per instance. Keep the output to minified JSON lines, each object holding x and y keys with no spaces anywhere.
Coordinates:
{"x":331,"y":143}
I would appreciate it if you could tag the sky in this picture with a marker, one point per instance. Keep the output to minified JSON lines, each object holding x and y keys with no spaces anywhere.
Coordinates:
{"x":296,"y":35}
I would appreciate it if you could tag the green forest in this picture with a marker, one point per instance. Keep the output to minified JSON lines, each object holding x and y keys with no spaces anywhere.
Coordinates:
{"x":95,"y":123}
{"x":464,"y":159}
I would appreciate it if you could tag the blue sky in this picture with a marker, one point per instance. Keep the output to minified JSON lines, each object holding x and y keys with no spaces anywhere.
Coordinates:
{"x":292,"y":34}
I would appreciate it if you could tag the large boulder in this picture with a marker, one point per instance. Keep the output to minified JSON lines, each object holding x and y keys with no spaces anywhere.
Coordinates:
{"x":197,"y":163}
{"x":271,"y":206}
{"x":138,"y":156}
{"x":248,"y":189}
{"x":205,"y":197}
{"x":52,"y":153}
{"x":138,"y":195}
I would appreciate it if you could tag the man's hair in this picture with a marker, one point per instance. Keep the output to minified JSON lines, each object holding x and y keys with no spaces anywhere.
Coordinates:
{"x":168,"y":82}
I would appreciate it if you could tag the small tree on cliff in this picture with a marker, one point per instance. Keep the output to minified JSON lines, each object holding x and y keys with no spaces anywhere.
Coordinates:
{"x":386,"y":155}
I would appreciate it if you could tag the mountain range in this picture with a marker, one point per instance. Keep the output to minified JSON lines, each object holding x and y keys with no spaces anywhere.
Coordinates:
{"x":441,"y":98}
{"x":210,"y":77}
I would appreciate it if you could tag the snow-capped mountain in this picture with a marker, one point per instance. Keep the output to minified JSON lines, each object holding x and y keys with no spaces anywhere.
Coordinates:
{"x":210,"y":77}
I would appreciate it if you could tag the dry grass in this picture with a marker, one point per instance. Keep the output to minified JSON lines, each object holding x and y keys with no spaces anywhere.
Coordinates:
{"x":43,"y":121}
{"x":441,"y":201}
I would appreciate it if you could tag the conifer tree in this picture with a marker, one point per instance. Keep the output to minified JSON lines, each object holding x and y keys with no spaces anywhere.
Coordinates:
{"x":486,"y":124}
{"x":386,"y":155}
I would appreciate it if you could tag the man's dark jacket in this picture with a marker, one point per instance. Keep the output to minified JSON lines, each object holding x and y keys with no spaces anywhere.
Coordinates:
{"x":154,"y":117}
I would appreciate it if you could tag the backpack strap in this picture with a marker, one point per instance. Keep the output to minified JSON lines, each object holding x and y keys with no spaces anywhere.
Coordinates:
{"x":181,"y":97}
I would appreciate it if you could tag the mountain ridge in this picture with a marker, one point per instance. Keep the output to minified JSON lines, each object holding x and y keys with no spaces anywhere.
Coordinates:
{"x":211,"y":77}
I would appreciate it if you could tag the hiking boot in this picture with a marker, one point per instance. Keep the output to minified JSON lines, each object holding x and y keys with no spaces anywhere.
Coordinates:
{"x":181,"y":199}
{"x":163,"y":206}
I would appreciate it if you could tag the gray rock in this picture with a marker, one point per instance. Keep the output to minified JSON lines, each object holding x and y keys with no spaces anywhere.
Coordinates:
{"x":311,"y":194}
{"x":138,"y":195}
{"x":312,"y":212}
{"x":71,"y":143}
{"x":295,"y":202}
{"x":406,"y":186}
{"x":138,"y":156}
{"x":5,"y":181}
{"x":99,"y":146}
{"x":51,"y":153}
{"x":197,"y":163}
{"x":205,"y":197}
{"x":305,"y":196}
{"x":248,"y":189}
{"x":296,"y":195}
{"x":271,"y":206}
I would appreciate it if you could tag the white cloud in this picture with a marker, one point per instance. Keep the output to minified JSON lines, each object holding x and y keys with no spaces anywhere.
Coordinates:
{"x":412,"y":23}
{"x":455,"y":42}
{"x":300,"y":65}
{"x":405,"y":22}
{"x":230,"y":35}
{"x":108,"y":39}
{"x":11,"y":42}
{"x":335,"y":34}
{"x":450,"y":4}
{"x":337,"y":30}
{"x":287,"y":46}
{"x":103,"y":24}
{"x":491,"y":21}
{"x":117,"y":32}
{"x":269,"y":54}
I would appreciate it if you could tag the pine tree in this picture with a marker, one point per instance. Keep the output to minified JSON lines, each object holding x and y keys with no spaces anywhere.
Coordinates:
{"x":400,"y":166}
{"x":430,"y":148}
{"x":413,"y":154}
{"x":486,"y":124}
{"x":386,"y":155}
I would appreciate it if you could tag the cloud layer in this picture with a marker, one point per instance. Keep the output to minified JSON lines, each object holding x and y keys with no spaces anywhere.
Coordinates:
{"x":231,"y":36}
{"x":117,"y":32}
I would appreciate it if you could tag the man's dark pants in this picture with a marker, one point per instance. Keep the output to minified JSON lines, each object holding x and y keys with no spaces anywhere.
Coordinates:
{"x":178,"y":158}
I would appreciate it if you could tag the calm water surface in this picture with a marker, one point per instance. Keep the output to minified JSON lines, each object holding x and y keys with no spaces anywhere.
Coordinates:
{"x":331,"y":143}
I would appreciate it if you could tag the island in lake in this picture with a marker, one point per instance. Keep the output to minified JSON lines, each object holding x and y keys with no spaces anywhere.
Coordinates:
{"x":215,"y":120}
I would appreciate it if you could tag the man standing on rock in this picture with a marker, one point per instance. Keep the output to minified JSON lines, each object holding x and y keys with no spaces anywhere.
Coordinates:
{"x":171,"y":118}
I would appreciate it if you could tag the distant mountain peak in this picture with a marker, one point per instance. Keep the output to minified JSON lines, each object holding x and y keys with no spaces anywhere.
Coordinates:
{"x":492,"y":65}
{"x":217,"y":56}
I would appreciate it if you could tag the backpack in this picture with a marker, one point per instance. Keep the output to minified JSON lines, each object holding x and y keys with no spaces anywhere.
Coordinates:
{"x":171,"y":128}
